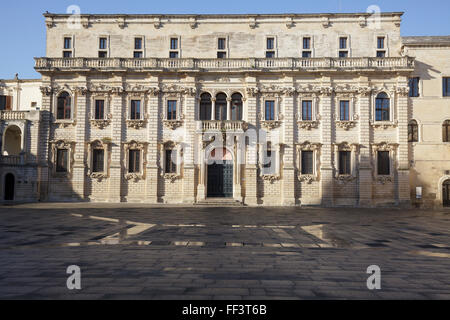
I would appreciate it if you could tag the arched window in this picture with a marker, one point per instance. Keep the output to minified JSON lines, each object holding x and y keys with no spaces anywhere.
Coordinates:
{"x":221,"y":106}
{"x":446,"y":131}
{"x":205,"y":106}
{"x":63,"y":111}
{"x":382,"y":107}
{"x":236,"y":106}
{"x":413,"y":131}
{"x":12,"y":141}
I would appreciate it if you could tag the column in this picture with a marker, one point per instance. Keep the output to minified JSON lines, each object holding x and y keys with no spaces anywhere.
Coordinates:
{"x":290,"y":125}
{"x":237,"y":188}
{"x":188,"y":150}
{"x":118,"y":109}
{"x":404,"y":195}
{"x":228,"y":109}
{"x":365,"y":168}
{"x":327,"y":125}
{"x":251,"y":169}
{"x":213,"y":108}
{"x":79,"y":171}
{"x":154,"y":121}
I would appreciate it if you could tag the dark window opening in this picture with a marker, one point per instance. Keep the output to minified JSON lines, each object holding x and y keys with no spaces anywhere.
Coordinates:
{"x":270,"y":110}
{"x":307,"y":110}
{"x":134,"y":161}
{"x":98,"y":160}
{"x":171,"y":110}
{"x":135,"y":113}
{"x":221,"y":55}
{"x":413,"y":131}
{"x":307,"y":162}
{"x":102,"y":43}
{"x":383,"y":163}
{"x":173,"y":43}
{"x":343,"y":43}
{"x":446,"y":131}
{"x":61,"y":160}
{"x":205,"y":106}
{"x":382,"y":107}
{"x":63,"y":111}
{"x":414,"y":87}
{"x":171,"y":166}
{"x":306,"y":43}
{"x":270,"y":43}
{"x":446,"y":86}
{"x":221,"y":44}
{"x":344,"y":162}
{"x":99,"y":109}
{"x":345,"y":110}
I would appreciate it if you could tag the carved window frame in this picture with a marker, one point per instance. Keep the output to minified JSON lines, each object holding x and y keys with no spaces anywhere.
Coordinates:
{"x":73,"y":100}
{"x":353,"y":148}
{"x":142,"y":147}
{"x":171,"y":145}
{"x":178,"y":121}
{"x":107,"y":115}
{"x":275,"y":161}
{"x":353,"y":117}
{"x":392,"y":109}
{"x":63,"y":145}
{"x":392,"y":149}
{"x":316,"y":149}
{"x":99,"y":145}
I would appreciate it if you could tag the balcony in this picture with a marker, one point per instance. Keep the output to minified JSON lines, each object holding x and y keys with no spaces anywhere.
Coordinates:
{"x":13,"y":115}
{"x":237,"y":65}
{"x":222,"y":126}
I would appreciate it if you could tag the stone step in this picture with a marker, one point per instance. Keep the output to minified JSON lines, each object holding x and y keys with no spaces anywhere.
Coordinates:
{"x":219,"y":202}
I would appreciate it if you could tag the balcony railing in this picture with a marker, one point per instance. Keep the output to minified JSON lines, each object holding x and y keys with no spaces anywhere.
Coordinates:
{"x":264,"y":64}
{"x":218,"y":125}
{"x":13,"y":115}
{"x":12,"y":160}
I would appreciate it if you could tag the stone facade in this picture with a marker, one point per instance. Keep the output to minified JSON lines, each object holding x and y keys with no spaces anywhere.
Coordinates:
{"x":295,"y":108}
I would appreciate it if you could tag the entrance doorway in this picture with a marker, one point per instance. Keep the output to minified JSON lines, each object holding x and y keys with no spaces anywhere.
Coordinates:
{"x":446,"y":193}
{"x":220,"y":174}
{"x":9,"y":186}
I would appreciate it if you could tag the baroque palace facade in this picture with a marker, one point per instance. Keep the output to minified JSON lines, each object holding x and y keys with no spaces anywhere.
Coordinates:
{"x":280,"y":109}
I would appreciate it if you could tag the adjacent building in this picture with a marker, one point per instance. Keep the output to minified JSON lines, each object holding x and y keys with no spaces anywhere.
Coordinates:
{"x":279,"y":109}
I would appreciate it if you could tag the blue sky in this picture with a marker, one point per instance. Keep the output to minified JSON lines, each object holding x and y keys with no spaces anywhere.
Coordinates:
{"x":23,"y":28}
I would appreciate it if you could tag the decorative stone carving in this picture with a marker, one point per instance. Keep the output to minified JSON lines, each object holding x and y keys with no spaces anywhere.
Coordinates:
{"x":270,"y":124}
{"x":383,"y":125}
{"x":384,"y":146}
{"x":253,"y":24}
{"x":171,"y":177}
{"x":362,"y":21}
{"x":384,"y":179}
{"x":136,"y":124}
{"x":252,"y":92}
{"x":121,"y":22}
{"x":193,"y":23}
{"x":46,"y":90}
{"x":326,"y":22}
{"x":402,"y":91}
{"x":65,"y":123}
{"x":63,"y":144}
{"x":142,"y":147}
{"x":290,"y":23}
{"x":81,"y":90}
{"x":99,"y":176}
{"x":308,"y":178}
{"x":157,"y":24}
{"x":85,"y":22}
{"x":49,"y":22}
{"x":346,"y":125}
{"x":271,"y":177}
{"x":101,"y":123}
{"x":345,"y":178}
{"x":172,"y":124}
{"x":308,"y":125}
{"x":173,"y":88}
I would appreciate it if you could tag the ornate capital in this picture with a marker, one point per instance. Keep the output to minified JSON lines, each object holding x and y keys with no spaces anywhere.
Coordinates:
{"x":46,"y":90}
{"x":346,"y":125}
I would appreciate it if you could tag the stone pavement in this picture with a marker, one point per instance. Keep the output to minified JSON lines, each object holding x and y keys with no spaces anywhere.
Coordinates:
{"x":149,"y":252}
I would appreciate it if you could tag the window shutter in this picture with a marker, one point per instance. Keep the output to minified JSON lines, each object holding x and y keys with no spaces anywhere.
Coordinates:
{"x":8,"y":103}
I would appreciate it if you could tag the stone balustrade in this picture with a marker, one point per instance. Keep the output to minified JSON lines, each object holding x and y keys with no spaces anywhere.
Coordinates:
{"x":261,"y":64}
{"x":218,"y":125}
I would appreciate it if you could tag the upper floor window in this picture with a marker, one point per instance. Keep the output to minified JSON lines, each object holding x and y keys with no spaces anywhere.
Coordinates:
{"x":222,"y":42}
{"x":446,"y":86}
{"x":99,"y":109}
{"x":67,"y":43}
{"x":381,"y":54}
{"x":103,"y":43}
{"x":236,"y":107}
{"x":270,"y":110}
{"x":380,"y":42}
{"x":344,"y":110}
{"x":221,"y":55}
{"x":171,"y":109}
{"x":306,"y":43}
{"x":414,"y":87}
{"x":307,"y":110}
{"x":270,"y":43}
{"x":173,"y":54}
{"x":5,"y":102}
{"x":382,"y":107}
{"x":383,"y":163}
{"x":63,"y":111}
{"x":135,"y":113}
{"x":205,"y":106}
{"x":413,"y":131}
{"x":138,"y":46}
{"x":343,"y":42}
{"x":343,"y":54}
{"x":67,"y":54}
{"x":174,"y":44}
{"x":306,"y":54}
{"x":446,"y":131}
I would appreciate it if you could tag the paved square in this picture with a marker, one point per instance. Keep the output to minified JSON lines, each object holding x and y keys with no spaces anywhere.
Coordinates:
{"x":143,"y":252}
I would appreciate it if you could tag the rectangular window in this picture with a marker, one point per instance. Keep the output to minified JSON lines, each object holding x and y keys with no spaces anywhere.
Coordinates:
{"x":306,"y":54}
{"x":138,"y":43}
{"x":345,"y":110}
{"x":306,"y":43}
{"x":98,"y":160}
{"x":343,"y":43}
{"x":344,"y":162}
{"x":446,"y":86}
{"x":307,"y":110}
{"x":173,"y":54}
{"x":343,"y":54}
{"x":137,"y":54}
{"x":67,"y":54}
{"x":267,"y":165}
{"x":307,"y":162}
{"x":380,"y":42}
{"x":102,"y":54}
{"x":61,"y":160}
{"x":270,"y":43}
{"x":67,"y":43}
{"x":270,"y":54}
{"x":171,"y":166}
{"x":383,"y":163}
{"x":102,"y":43}
{"x":5,"y":102}
{"x":135,"y":113}
{"x":99,"y":109}
{"x":221,"y":45}
{"x":134,"y":161}
{"x":221,"y":55}
{"x":171,"y":110}
{"x":270,"y":110}
{"x":173,"y":43}
{"x":414,"y":87}
{"x":381,"y":54}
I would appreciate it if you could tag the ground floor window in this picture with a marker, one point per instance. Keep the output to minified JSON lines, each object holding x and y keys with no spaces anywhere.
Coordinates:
{"x":307,"y":162}
{"x":98,"y":160}
{"x":171,"y":165}
{"x":383,"y":163}
{"x":61,"y":160}
{"x":134,"y":161}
